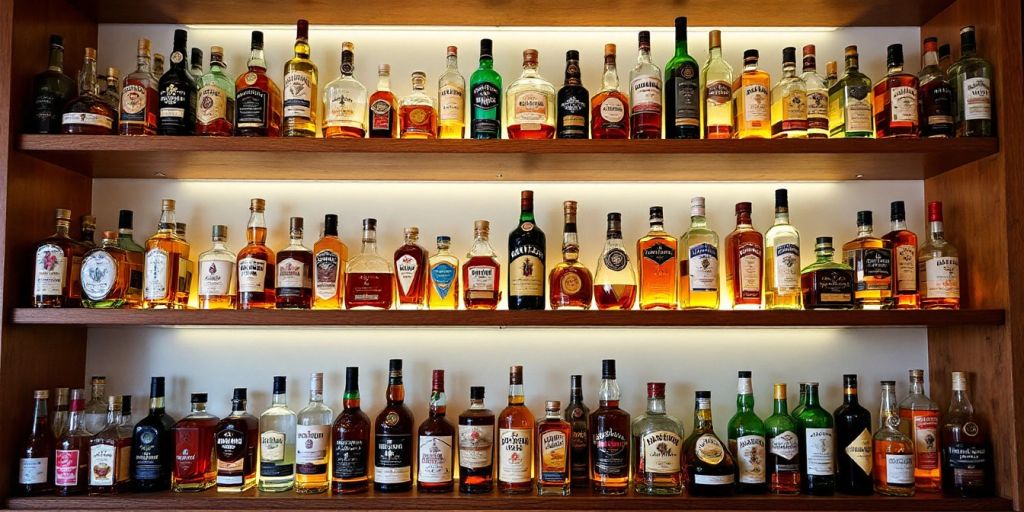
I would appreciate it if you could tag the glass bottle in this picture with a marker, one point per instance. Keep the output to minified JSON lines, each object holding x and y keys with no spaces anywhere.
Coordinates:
{"x":111,"y":93}
{"x":383,"y":107}
{"x":152,"y":452}
{"x":443,"y":277}
{"x":935,"y":94}
{"x":125,"y":425}
{"x":645,"y":93}
{"x":747,"y":441}
{"x":573,"y":116}
{"x":237,"y":438}
{"x":831,"y":76}
{"x":817,"y":96}
{"x":853,"y":438}
{"x":95,"y":417}
{"x":531,"y":100}
{"x":944,"y":59}
{"x":966,"y":450}
{"x":609,"y":119}
{"x":919,"y":419}
{"x":158,"y":65}
{"x":615,"y":279}
{"x":972,"y":85}
{"x":344,"y":101}
{"x":350,"y":441}
{"x":313,"y":441}
{"x":717,"y":92}
{"x":195,"y":462}
{"x":485,"y":101}
{"x":850,"y":101}
{"x":163,"y":265}
{"x":61,"y":412}
{"x":435,"y":445}
{"x":136,"y":258}
{"x":826,"y":284}
{"x":217,"y":287}
{"x":481,"y":275}
{"x":139,"y":98}
{"x":782,"y":259}
{"x":257,"y":97}
{"x":895,"y":99}
{"x":411,"y":268}
{"x":196,"y":69}
{"x":698,"y":262}
{"x":938,"y":266}
{"x":294,"y":285}
{"x":817,"y":445}
{"x":88,"y":113}
{"x":184,"y":285}
{"x":56,"y":273}
{"x":610,"y":436}
{"x":658,"y":274}
{"x":476,"y":445}
{"x":330,"y":255}
{"x":710,"y":469}
{"x":578,"y":415}
{"x":177,"y":92}
{"x":368,"y":276}
{"x":570,"y":284}
{"x":657,"y":447}
{"x":904,"y":258}
{"x":87,"y":232}
{"x":515,"y":439}
{"x":682,"y":90}
{"x":419,"y":117}
{"x":894,"y":452}
{"x":104,"y":276}
{"x":277,"y":427}
{"x":215,"y":108}
{"x":300,"y":81}
{"x":526,"y":246}
{"x":51,"y":90}
{"x":789,"y":101}
{"x":256,"y":263}
{"x":392,"y":463}
{"x":744,"y":262}
{"x":870,"y":258}
{"x":553,"y":447}
{"x":782,"y":460}
{"x":801,"y":401}
{"x":451,"y":99}
{"x":71,"y":459}
{"x":752,"y":98}
{"x":36,"y":455}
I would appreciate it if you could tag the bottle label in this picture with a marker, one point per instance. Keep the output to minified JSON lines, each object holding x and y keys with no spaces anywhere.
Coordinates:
{"x":230,"y":446}
{"x":611,"y":459}
{"x":903,"y":103}
{"x":787,"y":267}
{"x":212,"y":104}
{"x":646,"y":94}
{"x":51,"y":266}
{"x":292,"y":273}
{"x":941,"y":278}
{"x":616,"y":259}
{"x":859,"y":451}
{"x":820,"y":451}
{"x":573,"y":112}
{"x":817,"y":110}
{"x":749,"y":278}
{"x":146,"y":454}
{"x":570,"y":283}
{"x":406,"y":268}
{"x":418,"y":119}
{"x":481,"y":279}
{"x":312,"y":446}
{"x":906,"y":268}
{"x":834,"y":285}
{"x":756,"y":106}
{"x":350,"y":456}
{"x":102,"y":462}
{"x":158,"y":274}
{"x":925,"y":427}
{"x":133,"y":103}
{"x":88,"y":118}
{"x":435,"y":459}
{"x":252,"y":274}
{"x":251,"y":106}
{"x":661,"y":452}
{"x":700,"y":479}
{"x":794,"y":106}
{"x":750,"y":459}
{"x":515,"y":454}
{"x":613,"y":111}
{"x":99,"y":275}
{"x":717,"y":93}
{"x":703,"y":268}
{"x":858,"y":110}
{"x":874,"y":263}
{"x":977,"y":98}
{"x":939,"y":111}
{"x":969,"y":462}
{"x":442,"y":277}
{"x":785,"y":445}
{"x":486,"y":96}
{"x":46,"y":112}
{"x":486,"y":110}
{"x":709,"y":449}
{"x":342,"y":108}
{"x":33,"y":471}
{"x":392,"y":460}
{"x":327,"y":273}
{"x":686,"y":88}
{"x":381,"y":115}
{"x":476,"y":444}
{"x":526,"y":271}
{"x":186,"y":452}
{"x":531,"y":107}
{"x":554,"y":460}
{"x":660,"y":254}
{"x":272,"y":444}
{"x":215,"y":277}
{"x":899,"y":468}
{"x":65,"y":468}
{"x":174,"y":101}
{"x":452,"y":103}
{"x":298,"y":94}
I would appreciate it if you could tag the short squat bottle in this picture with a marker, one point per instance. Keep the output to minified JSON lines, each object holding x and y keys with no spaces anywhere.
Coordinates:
{"x":657,"y":447}
{"x":553,"y":445}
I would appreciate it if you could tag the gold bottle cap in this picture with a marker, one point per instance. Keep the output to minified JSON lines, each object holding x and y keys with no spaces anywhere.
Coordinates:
{"x":530,"y":56}
{"x":419,"y":79}
{"x":88,"y":221}
{"x":167,"y":205}
{"x":158,"y":57}
{"x":384,"y":70}
{"x":113,"y":73}
{"x":552,"y":405}
{"x":480,"y":226}
{"x":41,"y":394}
{"x":569,"y":207}
{"x":144,"y":46}
{"x":90,"y":53}
{"x":348,"y":46}
{"x":215,"y":52}
{"x":851,"y":51}
{"x":63,"y":214}
{"x":609,"y":50}
{"x":831,"y":68}
{"x":112,"y":402}
{"x":257,"y":204}
{"x":715,"y":39}
{"x":780,"y":391}
{"x":412,"y":232}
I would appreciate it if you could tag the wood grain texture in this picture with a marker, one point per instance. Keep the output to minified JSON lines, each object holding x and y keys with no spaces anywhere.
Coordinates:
{"x":505,"y":160}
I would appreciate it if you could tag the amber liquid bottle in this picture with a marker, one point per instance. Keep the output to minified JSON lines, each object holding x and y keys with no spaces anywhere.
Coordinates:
{"x":919,"y":419}
{"x":393,"y":452}
{"x":609,"y":438}
{"x":657,"y":260}
{"x":411,"y":272}
{"x":195,"y":463}
{"x":609,"y":117}
{"x":481,"y":274}
{"x":904,"y":259}
{"x":237,"y":437}
{"x":435,"y":446}
{"x":350,"y":441}
{"x":744,"y":262}
{"x":294,"y":288}
{"x":35,"y":463}
{"x":330,"y":255}
{"x":56,"y":277}
{"x":258,"y":101}
{"x":895,"y":106}
{"x":256,"y":263}
{"x":163,"y":266}
{"x":553,"y":446}
{"x":476,"y":445}
{"x":515,"y":439}
{"x":570,"y":284}
{"x":109,"y":454}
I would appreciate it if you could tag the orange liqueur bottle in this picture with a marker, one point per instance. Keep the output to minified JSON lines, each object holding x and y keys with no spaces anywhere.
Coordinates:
{"x":165,"y":256}
{"x":744,"y":253}
{"x":256,"y":263}
{"x":515,"y":439}
{"x":919,"y":419}
{"x":656,"y":254}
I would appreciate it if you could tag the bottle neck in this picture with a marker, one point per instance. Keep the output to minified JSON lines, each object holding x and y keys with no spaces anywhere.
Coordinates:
{"x":788,"y":69}
{"x":530,"y":70}
{"x":516,"y":394}
{"x":898,"y":224}
{"x":916,"y":386}
{"x":852,"y":63}
{"x":302,"y":48}
{"x":384,"y":82}
{"x":237,"y":407}
{"x":167,"y":221}
{"x":744,"y":396}
{"x":960,"y":403}
{"x":351,"y":398}
{"x":486,"y":63}
{"x":715,"y":53}
{"x":396,"y":390}
{"x":56,"y":59}
{"x":811,"y":398}
{"x":644,"y":57}
{"x":452,"y":64}
{"x":526,"y":213}
{"x":930,"y":58}
{"x":698,"y":221}
{"x":935,"y":231}
{"x":895,"y":68}
{"x":750,"y":66}
{"x":888,"y":416}
{"x":98,"y":391}
{"x":610,"y":79}
{"x":656,"y":405}
{"x":87,"y":78}
{"x":41,"y":418}
{"x":481,"y":246}
{"x":743,"y":220}
{"x":609,"y":395}
{"x":850,"y":395}
{"x":369,"y":242}
{"x":825,"y":255}
{"x":476,"y":404}
{"x":200,"y":407}
{"x":257,"y":61}
{"x":864,"y":230}
{"x":575,"y":395}
{"x":572,"y":73}
{"x":781,"y":215}
{"x":681,"y":45}
{"x":256,"y":232}
{"x":702,"y":415}
{"x":570,"y":242}
{"x":156,"y":404}
{"x":316,"y":395}
{"x":438,"y":403}
{"x":780,"y":406}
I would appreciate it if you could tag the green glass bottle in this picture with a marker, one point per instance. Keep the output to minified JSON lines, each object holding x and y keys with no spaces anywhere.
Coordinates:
{"x":485,"y":90}
{"x":682,"y":90}
{"x":746,"y":441}
{"x":802,"y":402}
{"x":817,"y":446}
{"x":783,"y":458}
{"x":850,"y":102}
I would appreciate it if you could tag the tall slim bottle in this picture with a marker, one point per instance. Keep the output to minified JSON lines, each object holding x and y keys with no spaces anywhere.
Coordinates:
{"x":71,"y":458}
{"x":752,"y":99}
{"x":138,"y":108}
{"x":610,"y":436}
{"x":903,"y":243}
{"x":935,"y":93}
{"x":36,"y":457}
{"x":782,"y":460}
{"x":919,"y":419}
{"x":300,"y":81}
{"x":682,"y":90}
{"x":789,"y":100}
{"x":698,"y":262}
{"x":817,"y":446}
{"x":645,"y":90}
{"x":330,"y":255}
{"x":719,"y":122}
{"x":277,"y":442}
{"x":166,"y":254}
{"x":451,"y":99}
{"x":108,"y":455}
{"x":972,"y":85}
{"x":313,"y":441}
{"x":51,"y":90}
{"x":850,"y":102}
{"x":744,"y":262}
{"x":485,"y":97}
{"x":854,"y":462}
{"x":177,"y":92}
{"x":578,"y":414}
{"x":515,"y":439}
{"x":782,"y":289}
{"x":938,"y":264}
{"x":152,"y":452}
{"x":393,"y":431}
{"x":817,"y":96}
{"x":747,"y":441}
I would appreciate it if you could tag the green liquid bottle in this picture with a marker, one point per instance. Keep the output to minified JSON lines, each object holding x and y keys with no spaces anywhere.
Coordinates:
{"x":682,"y":90}
{"x":485,"y":87}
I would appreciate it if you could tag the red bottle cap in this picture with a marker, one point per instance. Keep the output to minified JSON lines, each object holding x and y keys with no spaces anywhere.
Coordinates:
{"x":77,"y":405}
{"x":438,"y":380}
{"x":935,"y":211}
{"x":655,"y":390}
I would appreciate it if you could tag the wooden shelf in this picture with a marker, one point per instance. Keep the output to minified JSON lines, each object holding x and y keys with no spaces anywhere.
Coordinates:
{"x":300,"y":318}
{"x":506,"y":160}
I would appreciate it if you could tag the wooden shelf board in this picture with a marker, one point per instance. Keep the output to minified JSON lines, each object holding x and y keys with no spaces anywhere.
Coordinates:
{"x":506,"y":160}
{"x":300,"y":318}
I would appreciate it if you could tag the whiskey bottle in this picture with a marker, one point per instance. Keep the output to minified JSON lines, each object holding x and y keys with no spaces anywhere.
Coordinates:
{"x":419,"y":117}
{"x":608,"y":117}
{"x":919,"y":419}
{"x":105,"y":274}
{"x":615,"y":279}
{"x":481,"y":275}
{"x":553,"y":439}
{"x":645,"y":93}
{"x":36,"y":456}
{"x":152,"y":452}
{"x":817,"y":446}
{"x":256,"y":266}
{"x":294,"y":286}
{"x":125,"y":428}
{"x":782,"y":259}
{"x":972,"y":85}
{"x":966,"y":451}
{"x":411,"y":268}
{"x":383,"y":107}
{"x":817,"y":96}
{"x":744,"y":261}
{"x":344,"y":101}
{"x":657,"y":447}
{"x":903,"y":243}
{"x":217,"y":287}
{"x":392,"y":432}
{"x":163,"y":265}
{"x":578,"y":416}
{"x":938,"y":266}
{"x":526,"y":245}
{"x":136,"y":258}
{"x":139,"y":97}
{"x":826,"y":284}
{"x":277,"y":428}
{"x":177,"y":92}
{"x":610,"y":436}
{"x":570,"y":283}
{"x":831,"y":77}
{"x":87,"y":232}
{"x":870,"y":258}
{"x":515,"y":439}
{"x":95,"y":417}
{"x":435,"y":445}
{"x":944,"y":58}
{"x":850,"y":101}
{"x":88,"y":113}
{"x":718,"y":94}
{"x":895,"y":99}
{"x":451,"y":99}
{"x":195,"y":461}
{"x":573,"y":117}
{"x":71,"y":459}
{"x":300,"y":81}
{"x":313,"y":441}
{"x":747,"y":441}
{"x":485,"y":89}
{"x":55,"y":273}
{"x":184,"y":291}
{"x":215,"y":106}
{"x":752,"y":99}
{"x":698,"y":263}
{"x":656,"y":253}
{"x":782,"y":460}
{"x":237,"y":440}
{"x":531,"y":100}
{"x":443,"y":277}
{"x":854,"y":462}
{"x":51,"y":90}
{"x":710,"y":470}
{"x":894,"y":451}
{"x":368,"y":276}
{"x":682,"y":90}
{"x":350,"y":441}
{"x":476,"y":445}
{"x":789,"y":101}
{"x":257,"y":97}
{"x":935,"y":93}
{"x":330,"y":256}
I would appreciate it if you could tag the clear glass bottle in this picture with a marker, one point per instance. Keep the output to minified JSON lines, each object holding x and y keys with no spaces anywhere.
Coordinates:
{"x":136,"y":257}
{"x":95,"y":416}
{"x":789,"y":101}
{"x":105,"y":275}
{"x":657,"y":257}
{"x":383,"y":107}
{"x":60,"y":412}
{"x":717,"y":92}
{"x":747,"y":441}
{"x":895,"y":99}
{"x":752,"y":98}
{"x":88,"y":113}
{"x":71,"y":458}
{"x":698,"y":262}
{"x":645,"y":93}
{"x":109,"y":454}
{"x":831,"y":75}
{"x":826,"y":284}
{"x":531,"y":103}
{"x":344,"y":102}
{"x":972,"y":85}
{"x":893,"y":450}
{"x":966,"y":450}
{"x":481,"y":274}
{"x":195,"y":464}
{"x":451,"y":99}
{"x":217,"y":287}
{"x":657,"y":447}
{"x":782,"y":259}
{"x":300,"y":82}
{"x":609,"y":118}
{"x":277,"y":442}
{"x":419,"y":117}
{"x":615,"y":279}
{"x":850,"y":101}
{"x":919,"y":419}
{"x":870,"y":258}
{"x":368,"y":281}
{"x":313,"y":441}
{"x":817,"y":96}
{"x":164,"y":267}
{"x":515,"y":439}
{"x":935,"y":94}
{"x":938,"y":266}
{"x":215,"y":107}
{"x":36,"y":455}
{"x":443,"y":277}
{"x":553,"y":448}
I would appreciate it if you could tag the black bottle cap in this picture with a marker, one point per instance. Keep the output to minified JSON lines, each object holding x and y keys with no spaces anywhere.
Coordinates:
{"x":156,"y":387}
{"x":608,"y":369}
{"x":750,"y":55}
{"x":280,"y":384}
{"x":850,"y":380}
{"x":894,"y":55}
{"x":575,"y":382}
{"x":823,"y":240}
{"x":967,"y":41}
{"x":56,"y":40}
{"x":864,"y":218}
{"x":180,"y":38}
{"x":572,"y":55}
{"x":486,"y":49}
{"x":240,"y":394}
{"x":331,"y":224}
{"x":197,"y":57}
{"x":644,"y":38}
{"x":944,"y":51}
{"x":789,"y":55}
{"x":126,"y":405}
{"x":302,"y":29}
{"x":744,"y":374}
{"x":781,"y":198}
{"x":614,"y":217}
{"x":370,"y":224}
{"x":681,"y":28}
{"x":897,"y":210}
{"x":703,"y":394}
{"x":657,"y":212}
{"x":743,"y":207}
{"x":257,"y":40}
{"x":351,"y":375}
{"x":125,"y":219}
{"x":197,"y":398}
{"x":476,"y":392}
{"x":395,"y":365}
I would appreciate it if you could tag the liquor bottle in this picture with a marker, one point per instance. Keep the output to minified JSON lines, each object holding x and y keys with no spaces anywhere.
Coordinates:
{"x":481,"y":275}
{"x":152,"y":452}
{"x":350,"y":441}
{"x":139,"y":97}
{"x":476,"y":445}
{"x":485,"y":86}
{"x":817,"y":445}
{"x":615,"y":279}
{"x":682,"y":90}
{"x":935,"y":94}
{"x":158,"y":66}
{"x":717,"y":92}
{"x":61,"y":412}
{"x":256,"y":267}
{"x":177,"y":92}
{"x":215,"y":107}
{"x":609,"y":438}
{"x":56,"y":273}
{"x":125,"y":425}
{"x":903,"y":243}
{"x":789,"y":101}
{"x":782,"y":259}
{"x":392,"y":432}
{"x":831,"y":77}
{"x":136,"y":258}
{"x":237,"y":439}
{"x":36,"y":456}
{"x":608,"y":117}
{"x":163,"y":265}
{"x":870,"y":258}
{"x":657,"y":447}
{"x":645,"y":93}
{"x":698,"y":265}
{"x":966,"y":451}
{"x":94,"y":418}
{"x":894,"y":451}
{"x":419,"y":117}
{"x":411,"y":267}
{"x":258,"y":98}
{"x":526,"y":245}
{"x":443,"y":277}
{"x":300,"y":81}
{"x":817,"y":96}
{"x":451,"y":99}
{"x":368,"y":279}
{"x":105,"y":276}
{"x":515,"y":439}
{"x":195,"y":462}
{"x":850,"y":101}
{"x":853,"y":438}
{"x":895,"y":99}
{"x":344,"y":101}
{"x":801,"y":402}
{"x":710,"y":469}
{"x":747,"y":441}
{"x":71,"y":459}
{"x":826,"y":284}
{"x":531,"y":100}
{"x":294,"y":285}
{"x":330,"y":255}
{"x":111,"y":93}
{"x":744,"y":261}
{"x":570,"y":284}
{"x":578,"y":414}
{"x":782,"y":461}
{"x":573,"y":116}
{"x":659,"y":276}
{"x":383,"y":107}
{"x":184,"y":285}
{"x":313,"y":441}
{"x":51,"y":90}
{"x":553,"y":452}
{"x":938,"y":266}
{"x":196,"y":69}
{"x":217,"y":287}
{"x":435,"y":445}
{"x":88,"y":113}
{"x":752,"y":100}
{"x":919,"y":419}
{"x":277,"y":425}
{"x":87,"y":232}
{"x":945,"y":61}
{"x":972,"y":85}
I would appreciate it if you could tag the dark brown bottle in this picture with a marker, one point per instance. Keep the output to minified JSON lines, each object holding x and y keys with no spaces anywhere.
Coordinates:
{"x":237,"y":438}
{"x":966,"y":451}
{"x":35,"y":466}
{"x":853,"y":443}
{"x":710,"y":468}
{"x":577,"y":414}
{"x":476,"y":445}
{"x":294,"y":285}
{"x":610,"y":436}
{"x":350,"y":441}
{"x":436,"y":443}
{"x":393,"y":452}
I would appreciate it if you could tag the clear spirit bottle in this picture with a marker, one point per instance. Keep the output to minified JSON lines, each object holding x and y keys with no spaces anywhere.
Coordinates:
{"x":789,"y":101}
{"x":782,"y":259}
{"x":313,"y":441}
{"x":36,"y":455}
{"x":368,"y":281}
{"x":531,"y":103}
{"x":893,"y":450}
{"x":657,"y":447}
{"x":443,"y":277}
{"x":277,"y":442}
{"x":344,"y":108}
{"x":938,"y":266}
{"x":419,"y":117}
{"x":717,"y":92}
{"x":217,"y":287}
{"x":817,"y":96}
{"x":95,"y":416}
{"x":451,"y":99}
{"x":645,"y":93}
{"x":850,"y":101}
{"x":698,"y":262}
{"x":615,"y":279}
{"x":972,"y":85}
